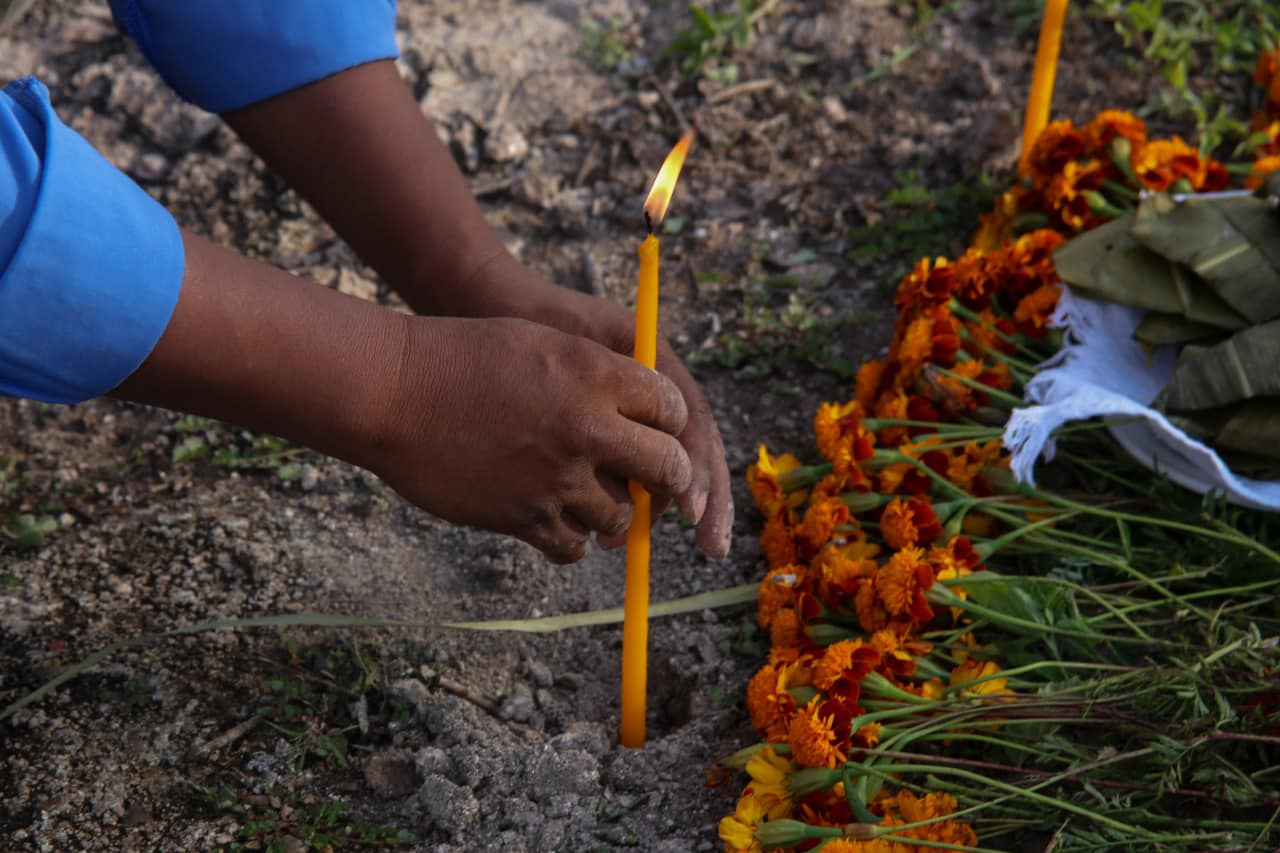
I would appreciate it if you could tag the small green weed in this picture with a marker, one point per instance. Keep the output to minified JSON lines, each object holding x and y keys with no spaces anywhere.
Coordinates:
{"x":229,"y":447}
{"x":605,"y":45}
{"x":706,"y":47}
{"x":313,"y":701}
{"x":278,"y":822}
{"x":26,"y":520}
{"x":780,"y":324}
{"x":132,"y":696}
{"x":919,"y":222}
{"x":1219,"y":41}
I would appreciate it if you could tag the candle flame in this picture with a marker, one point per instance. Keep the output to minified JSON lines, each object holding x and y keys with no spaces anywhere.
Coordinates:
{"x":655,"y":204}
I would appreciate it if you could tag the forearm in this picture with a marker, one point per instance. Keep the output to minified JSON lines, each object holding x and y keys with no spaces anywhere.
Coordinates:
{"x":374,"y":168}
{"x":258,"y":347}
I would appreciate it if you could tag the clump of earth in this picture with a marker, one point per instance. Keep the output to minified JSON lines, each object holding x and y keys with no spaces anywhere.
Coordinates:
{"x":122,"y":520}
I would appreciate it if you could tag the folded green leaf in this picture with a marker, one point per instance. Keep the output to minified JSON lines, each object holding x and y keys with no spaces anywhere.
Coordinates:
{"x":1240,"y":368}
{"x":1108,"y":263}
{"x":1157,"y":330}
{"x":1231,"y":241}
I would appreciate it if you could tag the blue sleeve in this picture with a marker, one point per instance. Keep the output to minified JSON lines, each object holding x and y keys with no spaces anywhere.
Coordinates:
{"x":90,"y":265}
{"x":227,"y":54}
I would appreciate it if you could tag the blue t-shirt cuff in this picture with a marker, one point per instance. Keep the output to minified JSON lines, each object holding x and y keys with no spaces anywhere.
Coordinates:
{"x":95,"y":276}
{"x":225,"y":55}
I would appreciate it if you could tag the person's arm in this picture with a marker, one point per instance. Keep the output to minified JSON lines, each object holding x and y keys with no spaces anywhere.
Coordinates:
{"x":505,"y":424}
{"x":356,"y":145}
{"x":537,"y":452}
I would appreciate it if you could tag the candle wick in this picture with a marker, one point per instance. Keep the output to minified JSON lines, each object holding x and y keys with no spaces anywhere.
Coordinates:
{"x":648,"y":222}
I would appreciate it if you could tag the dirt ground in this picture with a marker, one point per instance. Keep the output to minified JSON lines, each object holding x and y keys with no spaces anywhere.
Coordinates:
{"x":559,"y":112}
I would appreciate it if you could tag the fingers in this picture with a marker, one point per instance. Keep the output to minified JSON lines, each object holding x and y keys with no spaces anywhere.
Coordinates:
{"x":603,"y":506}
{"x":562,"y":539}
{"x":651,"y":399}
{"x":708,"y":502}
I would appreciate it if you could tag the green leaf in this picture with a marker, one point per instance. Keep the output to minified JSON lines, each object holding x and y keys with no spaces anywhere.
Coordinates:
{"x":1240,"y":368}
{"x":1158,"y":330}
{"x":30,"y":531}
{"x":1232,"y":242}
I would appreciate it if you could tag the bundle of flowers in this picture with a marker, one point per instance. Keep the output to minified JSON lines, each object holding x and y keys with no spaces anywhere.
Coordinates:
{"x":959,"y":659}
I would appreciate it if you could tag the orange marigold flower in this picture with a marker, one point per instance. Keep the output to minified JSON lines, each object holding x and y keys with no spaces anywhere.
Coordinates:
{"x":971,"y":670}
{"x":871,"y":613}
{"x":1163,"y":162}
{"x":778,"y":590}
{"x":1058,"y":144}
{"x":911,"y":349}
{"x":901,"y":585}
{"x":899,"y":651}
{"x":833,"y":423}
{"x":929,"y":283}
{"x":1261,"y":169}
{"x":915,"y":809}
{"x":868,"y":383}
{"x":1109,"y":124}
{"x":997,"y":227}
{"x":1037,"y":306}
{"x":841,"y":569}
{"x":851,"y":659}
{"x":820,"y":522}
{"x":787,"y":630}
{"x":909,"y":522}
{"x":812,"y":738}
{"x":778,"y":541}
{"x":1267,"y":75}
{"x":1066,"y":192}
{"x":892,"y":405}
{"x":762,"y":480}
{"x":769,"y":704}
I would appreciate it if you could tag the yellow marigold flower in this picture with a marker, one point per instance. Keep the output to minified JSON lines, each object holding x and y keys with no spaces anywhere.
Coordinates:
{"x":738,"y":831}
{"x":778,"y":542}
{"x":1109,"y":124}
{"x":812,"y":739}
{"x":762,"y":479}
{"x":931,"y":689}
{"x":777,"y":590}
{"x":771,"y":777}
{"x":1261,"y":169}
{"x":971,"y":670}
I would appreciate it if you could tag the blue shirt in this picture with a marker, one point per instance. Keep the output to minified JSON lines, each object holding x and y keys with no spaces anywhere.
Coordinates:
{"x":90,"y":265}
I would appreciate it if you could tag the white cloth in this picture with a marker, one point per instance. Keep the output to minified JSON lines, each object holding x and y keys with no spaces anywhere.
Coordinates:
{"x":1103,"y":372}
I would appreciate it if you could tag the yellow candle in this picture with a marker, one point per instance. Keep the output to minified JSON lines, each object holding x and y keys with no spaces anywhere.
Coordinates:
{"x":1037,"y":116}
{"x":635,"y":605}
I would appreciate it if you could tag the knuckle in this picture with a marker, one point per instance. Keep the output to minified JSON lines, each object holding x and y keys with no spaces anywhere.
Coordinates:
{"x":674,"y":472}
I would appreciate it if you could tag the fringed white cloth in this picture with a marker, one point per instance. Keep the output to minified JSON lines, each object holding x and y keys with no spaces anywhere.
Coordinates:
{"x":1102,"y":372}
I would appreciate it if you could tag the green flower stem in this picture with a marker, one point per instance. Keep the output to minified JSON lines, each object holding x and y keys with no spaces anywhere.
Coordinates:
{"x":1101,"y":601}
{"x":1026,"y":367}
{"x":803,"y":477}
{"x":940,"y":427}
{"x":946,"y":598}
{"x":962,"y":311}
{"x":1013,"y":400}
{"x":1231,"y":535}
{"x":1035,"y":667}
{"x":1223,"y":592}
{"x":1030,"y":793}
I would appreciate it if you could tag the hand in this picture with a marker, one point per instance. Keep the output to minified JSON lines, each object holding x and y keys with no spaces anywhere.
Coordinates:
{"x":502,"y":286}
{"x":521,"y":429}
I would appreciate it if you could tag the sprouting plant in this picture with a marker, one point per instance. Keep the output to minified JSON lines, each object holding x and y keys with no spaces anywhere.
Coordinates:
{"x":279,"y":821}
{"x":705,"y":46}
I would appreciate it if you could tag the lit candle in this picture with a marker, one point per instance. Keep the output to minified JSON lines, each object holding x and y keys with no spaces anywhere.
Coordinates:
{"x":635,"y":622}
{"x":1037,"y":116}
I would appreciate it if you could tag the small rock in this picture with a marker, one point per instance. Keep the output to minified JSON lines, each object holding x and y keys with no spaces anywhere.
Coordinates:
{"x":412,"y":692}
{"x":557,"y":771}
{"x":519,"y":705}
{"x":451,"y":808}
{"x":392,"y":774}
{"x":505,"y":144}
{"x":539,"y":672}
{"x":308,"y":478}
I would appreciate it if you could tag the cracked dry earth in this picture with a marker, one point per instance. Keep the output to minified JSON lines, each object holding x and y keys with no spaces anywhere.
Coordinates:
{"x":466,"y":741}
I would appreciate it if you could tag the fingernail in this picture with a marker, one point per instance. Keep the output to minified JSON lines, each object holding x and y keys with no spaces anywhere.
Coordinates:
{"x":692,"y":506}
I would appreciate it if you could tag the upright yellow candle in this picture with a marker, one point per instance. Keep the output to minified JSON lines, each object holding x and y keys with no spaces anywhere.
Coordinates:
{"x":1037,"y":116}
{"x":635,"y":606}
